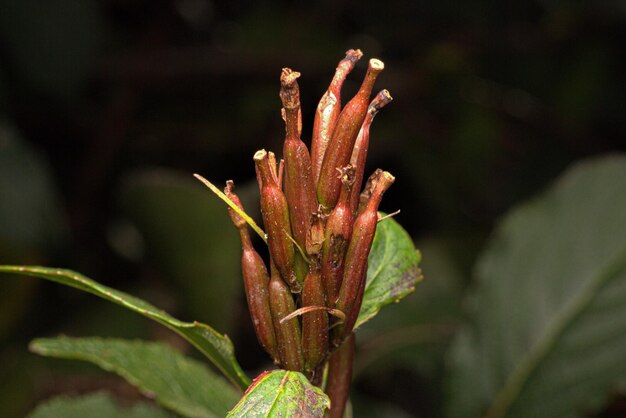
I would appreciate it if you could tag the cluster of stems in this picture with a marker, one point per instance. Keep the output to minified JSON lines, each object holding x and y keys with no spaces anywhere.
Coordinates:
{"x":319,"y":227}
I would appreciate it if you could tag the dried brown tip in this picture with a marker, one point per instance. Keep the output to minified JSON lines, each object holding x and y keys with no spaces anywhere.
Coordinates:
{"x":265,"y":164}
{"x":260,"y":155}
{"x":365,"y":195}
{"x":288,"y":77}
{"x":352,"y":56}
{"x":347,"y":175}
{"x":372,"y":180}
{"x":382,"y":99}
{"x":376,"y":65}
{"x":274,"y":166}
{"x":387,"y":178}
{"x":379,"y":182}
{"x":346,"y":66}
{"x":230,"y":186}
{"x":289,"y":89}
{"x":380,"y":186}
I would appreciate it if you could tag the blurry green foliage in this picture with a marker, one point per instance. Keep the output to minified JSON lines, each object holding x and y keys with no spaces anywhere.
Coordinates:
{"x":95,"y":405}
{"x":189,"y":237}
{"x":31,"y":220}
{"x":545,"y":333}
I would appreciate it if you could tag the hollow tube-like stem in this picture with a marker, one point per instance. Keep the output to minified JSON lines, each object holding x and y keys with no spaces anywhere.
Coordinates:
{"x":344,"y":135}
{"x":336,"y":238}
{"x":355,"y":268}
{"x":255,"y":279}
{"x":288,"y":333}
{"x":328,"y":110}
{"x":361,"y":146}
{"x":275,"y":214}
{"x":298,"y":182}
{"x":314,"y":323}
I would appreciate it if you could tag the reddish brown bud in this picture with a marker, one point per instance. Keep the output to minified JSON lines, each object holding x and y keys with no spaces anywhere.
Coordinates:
{"x":255,"y":279}
{"x":359,"y":152}
{"x":276,"y":220}
{"x":298,"y":179}
{"x":355,"y":269}
{"x":337,"y":236}
{"x":287,"y":332}
{"x":340,"y":377}
{"x":314,"y":323}
{"x":238,"y":221}
{"x":342,"y":141}
{"x":353,"y":314}
{"x":328,"y":110}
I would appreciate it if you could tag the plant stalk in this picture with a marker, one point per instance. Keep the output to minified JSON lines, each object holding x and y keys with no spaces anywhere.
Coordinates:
{"x":340,"y":377}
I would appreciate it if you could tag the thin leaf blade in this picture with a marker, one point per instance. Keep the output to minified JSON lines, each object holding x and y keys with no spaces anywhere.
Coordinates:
{"x":548,"y":330}
{"x":281,"y":393}
{"x":393,"y":269}
{"x":179,"y":383}
{"x":216,"y":347}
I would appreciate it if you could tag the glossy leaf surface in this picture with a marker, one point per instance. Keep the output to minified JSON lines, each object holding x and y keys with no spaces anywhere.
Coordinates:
{"x":179,"y":383}
{"x":393,"y":269}
{"x":281,"y":393}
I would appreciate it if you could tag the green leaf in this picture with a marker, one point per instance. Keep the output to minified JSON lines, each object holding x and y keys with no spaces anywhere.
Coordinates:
{"x":95,"y":405}
{"x":281,"y":393}
{"x":548,"y":312}
{"x":216,"y":347}
{"x":177,"y":382}
{"x":393,"y":269}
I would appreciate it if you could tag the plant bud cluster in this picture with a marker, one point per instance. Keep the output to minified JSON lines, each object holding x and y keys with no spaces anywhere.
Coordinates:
{"x":319,"y":225}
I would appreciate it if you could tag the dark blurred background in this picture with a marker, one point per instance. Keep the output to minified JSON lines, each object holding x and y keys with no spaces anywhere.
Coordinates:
{"x":107,"y":107}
